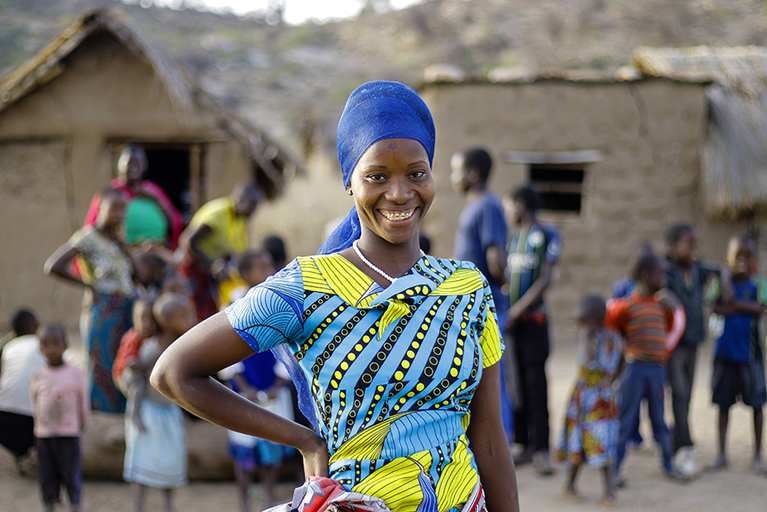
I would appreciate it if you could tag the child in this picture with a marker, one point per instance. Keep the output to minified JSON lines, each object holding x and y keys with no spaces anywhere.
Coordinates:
{"x":21,"y":357}
{"x":252,"y":268}
{"x":156,"y":456}
{"x":738,"y":362}
{"x":591,"y":423}
{"x":255,"y":379}
{"x":687,"y":278}
{"x":645,"y":323}
{"x":623,"y":288}
{"x":130,"y":375}
{"x":61,"y":410}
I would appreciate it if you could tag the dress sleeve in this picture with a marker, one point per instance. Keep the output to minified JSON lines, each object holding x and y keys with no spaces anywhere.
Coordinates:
{"x":490,"y":336}
{"x":81,"y":241}
{"x":272,"y":312}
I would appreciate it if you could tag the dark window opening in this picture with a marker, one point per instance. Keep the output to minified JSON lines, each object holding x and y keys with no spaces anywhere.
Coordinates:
{"x":559,"y":186}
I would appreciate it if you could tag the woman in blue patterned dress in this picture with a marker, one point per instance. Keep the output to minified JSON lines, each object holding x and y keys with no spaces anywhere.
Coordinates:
{"x":397,"y":351}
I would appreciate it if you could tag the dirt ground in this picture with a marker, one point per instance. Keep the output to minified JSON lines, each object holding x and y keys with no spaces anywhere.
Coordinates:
{"x":733,"y":489}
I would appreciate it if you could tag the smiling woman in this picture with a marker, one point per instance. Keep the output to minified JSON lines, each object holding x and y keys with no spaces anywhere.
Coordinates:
{"x":398,"y":366}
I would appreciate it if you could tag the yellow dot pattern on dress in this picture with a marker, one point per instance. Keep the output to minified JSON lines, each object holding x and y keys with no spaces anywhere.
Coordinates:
{"x":393,"y":368}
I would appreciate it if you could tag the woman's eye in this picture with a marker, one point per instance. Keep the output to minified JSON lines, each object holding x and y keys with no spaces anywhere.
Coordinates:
{"x":418,"y":174}
{"x":376,"y":177}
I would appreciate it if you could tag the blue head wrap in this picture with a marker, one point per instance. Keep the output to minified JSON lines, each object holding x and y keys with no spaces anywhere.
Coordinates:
{"x":376,"y":111}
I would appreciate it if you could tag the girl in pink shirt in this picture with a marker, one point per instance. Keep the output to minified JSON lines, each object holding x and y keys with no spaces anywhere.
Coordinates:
{"x":61,"y":414}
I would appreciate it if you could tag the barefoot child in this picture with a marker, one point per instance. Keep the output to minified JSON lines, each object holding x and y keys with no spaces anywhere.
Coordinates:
{"x":591,"y":422}
{"x":738,"y":361}
{"x":61,"y":410}
{"x":645,"y":322}
{"x":156,"y":456}
{"x":128,"y":372}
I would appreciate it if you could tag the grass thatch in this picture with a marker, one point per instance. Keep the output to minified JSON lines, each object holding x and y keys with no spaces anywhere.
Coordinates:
{"x":734,"y":150}
{"x":271,"y":163}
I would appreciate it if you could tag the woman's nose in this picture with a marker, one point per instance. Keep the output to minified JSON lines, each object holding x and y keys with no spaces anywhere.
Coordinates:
{"x":400,"y":190}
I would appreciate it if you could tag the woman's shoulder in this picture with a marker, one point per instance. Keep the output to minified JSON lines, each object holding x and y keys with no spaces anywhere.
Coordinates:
{"x":85,"y":233}
{"x":460,"y":266}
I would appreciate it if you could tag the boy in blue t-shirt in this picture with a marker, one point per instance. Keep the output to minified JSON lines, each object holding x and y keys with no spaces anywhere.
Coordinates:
{"x":738,"y":362}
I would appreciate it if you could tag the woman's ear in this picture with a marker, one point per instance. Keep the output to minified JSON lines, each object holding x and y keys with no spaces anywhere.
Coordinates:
{"x":349,"y":191}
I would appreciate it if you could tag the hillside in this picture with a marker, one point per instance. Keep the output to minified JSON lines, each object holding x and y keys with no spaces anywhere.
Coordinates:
{"x":292,"y":80}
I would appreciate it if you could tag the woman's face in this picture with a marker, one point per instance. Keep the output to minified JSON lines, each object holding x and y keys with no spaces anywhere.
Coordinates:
{"x":393,"y":187}
{"x":131,"y":166}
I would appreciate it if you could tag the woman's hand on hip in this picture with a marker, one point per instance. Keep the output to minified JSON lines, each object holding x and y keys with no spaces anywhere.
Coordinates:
{"x":315,"y":456}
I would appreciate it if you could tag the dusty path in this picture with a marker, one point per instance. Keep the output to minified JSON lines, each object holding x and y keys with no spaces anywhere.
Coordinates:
{"x":733,"y":489}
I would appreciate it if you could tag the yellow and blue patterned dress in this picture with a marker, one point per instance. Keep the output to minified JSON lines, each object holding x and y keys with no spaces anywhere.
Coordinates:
{"x":392,"y":371}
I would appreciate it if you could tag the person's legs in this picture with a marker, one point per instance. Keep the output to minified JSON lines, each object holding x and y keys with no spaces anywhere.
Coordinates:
{"x":723,"y":388}
{"x":269,"y":477}
{"x":17,"y":435}
{"x":49,"y":478}
{"x":681,"y":372}
{"x":569,"y":491}
{"x":758,"y":427}
{"x":139,"y":496}
{"x":168,"y":495}
{"x":533,"y":340}
{"x":521,"y":427}
{"x":70,"y":468}
{"x":632,"y":390}
{"x":724,"y":419}
{"x":242,"y":478}
{"x":656,"y":382}
{"x":608,"y":486}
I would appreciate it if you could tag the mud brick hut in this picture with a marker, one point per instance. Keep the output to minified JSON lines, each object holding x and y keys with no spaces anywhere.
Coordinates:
{"x":680,"y":136}
{"x":63,"y":115}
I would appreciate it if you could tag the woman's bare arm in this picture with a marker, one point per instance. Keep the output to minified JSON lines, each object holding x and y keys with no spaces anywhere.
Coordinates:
{"x":488,"y":442}
{"x":60,"y":262}
{"x":183,"y":374}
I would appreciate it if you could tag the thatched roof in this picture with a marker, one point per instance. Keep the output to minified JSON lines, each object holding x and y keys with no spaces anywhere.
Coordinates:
{"x":734,"y":150}
{"x":272,"y":164}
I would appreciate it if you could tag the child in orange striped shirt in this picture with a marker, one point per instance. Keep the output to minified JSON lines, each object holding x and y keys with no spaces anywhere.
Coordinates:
{"x":645,"y":321}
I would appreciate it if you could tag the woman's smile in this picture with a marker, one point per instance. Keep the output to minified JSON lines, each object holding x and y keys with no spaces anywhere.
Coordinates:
{"x":398,"y":216}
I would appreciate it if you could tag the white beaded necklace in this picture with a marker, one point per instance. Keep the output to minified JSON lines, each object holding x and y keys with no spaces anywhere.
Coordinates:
{"x":373,"y":267}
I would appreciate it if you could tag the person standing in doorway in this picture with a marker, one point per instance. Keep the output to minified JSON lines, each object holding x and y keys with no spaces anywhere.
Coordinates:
{"x":533,"y":252}
{"x":151,"y":215}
